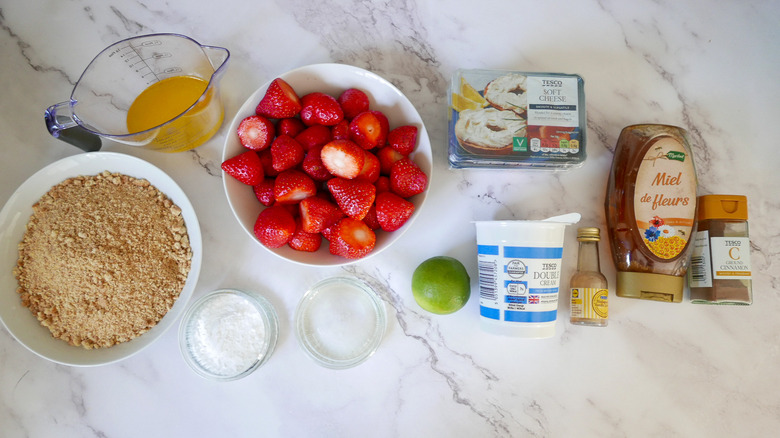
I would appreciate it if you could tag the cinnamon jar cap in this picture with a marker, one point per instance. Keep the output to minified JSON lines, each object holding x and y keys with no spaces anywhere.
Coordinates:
{"x":732,"y":207}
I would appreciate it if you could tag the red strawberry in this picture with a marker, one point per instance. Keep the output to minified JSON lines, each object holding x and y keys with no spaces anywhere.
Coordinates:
{"x":292,"y":185}
{"x":352,"y":239}
{"x":407,"y":179}
{"x":354,"y":197}
{"x":370,"y":170}
{"x":392,"y":211}
{"x":320,"y":109}
{"x":290,"y":126}
{"x":286,"y":153}
{"x":340,"y":131}
{"x":256,"y":133}
{"x":265,"y":192}
{"x":384,"y":123}
{"x":268,"y":167}
{"x":371,"y":219}
{"x":343,"y":158}
{"x":366,"y":130}
{"x":304,"y":241}
{"x":387,"y":157}
{"x":318,"y":214}
{"x":353,"y":102}
{"x":279,"y":101}
{"x":327,"y":232}
{"x":245,"y":167}
{"x":312,"y":165}
{"x":382,"y":184}
{"x":274,"y":226}
{"x":312,"y":136}
{"x":403,"y":139}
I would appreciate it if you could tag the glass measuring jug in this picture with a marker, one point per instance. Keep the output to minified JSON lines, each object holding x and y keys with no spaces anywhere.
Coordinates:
{"x":156,"y":91}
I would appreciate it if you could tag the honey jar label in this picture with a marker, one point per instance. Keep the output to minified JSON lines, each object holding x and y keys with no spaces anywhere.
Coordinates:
{"x":665,"y":197}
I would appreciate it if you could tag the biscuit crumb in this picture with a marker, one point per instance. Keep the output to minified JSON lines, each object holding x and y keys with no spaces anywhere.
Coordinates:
{"x":103,"y":259}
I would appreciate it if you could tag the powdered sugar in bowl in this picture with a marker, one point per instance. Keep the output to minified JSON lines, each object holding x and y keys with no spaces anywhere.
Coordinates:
{"x":227,"y":334}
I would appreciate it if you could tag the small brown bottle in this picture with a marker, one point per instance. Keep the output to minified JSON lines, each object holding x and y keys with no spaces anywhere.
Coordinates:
{"x":589,"y":294}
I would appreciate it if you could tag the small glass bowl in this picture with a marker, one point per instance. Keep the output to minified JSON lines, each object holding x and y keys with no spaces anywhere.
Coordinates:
{"x":340,"y":322}
{"x":221,"y":318}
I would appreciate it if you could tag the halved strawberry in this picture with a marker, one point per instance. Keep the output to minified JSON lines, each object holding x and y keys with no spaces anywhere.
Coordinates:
{"x":312,"y":165}
{"x":370,"y":171}
{"x":320,"y":109}
{"x":352,"y":239}
{"x":264,"y":192}
{"x":353,"y":102}
{"x":340,"y":131}
{"x":387,"y":157}
{"x":274,"y":226}
{"x":392,"y":211}
{"x":407,"y":179}
{"x":304,"y":241}
{"x":343,"y":158}
{"x":318,"y":214}
{"x":286,"y":153}
{"x":354,"y":197}
{"x":245,"y":167}
{"x":403,"y":139}
{"x":291,"y":186}
{"x":367,"y":131}
{"x":290,"y":126}
{"x":256,"y":133}
{"x":317,"y":135}
{"x":385,"y":124}
{"x":279,"y":102}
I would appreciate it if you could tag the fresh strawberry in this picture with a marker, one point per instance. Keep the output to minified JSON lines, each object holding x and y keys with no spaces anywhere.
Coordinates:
{"x":274,"y":226}
{"x":256,"y":133}
{"x":387,"y":157}
{"x":343,"y":158}
{"x":304,"y":241}
{"x":320,"y":109}
{"x":384,"y":124}
{"x":340,"y":131}
{"x":371,"y":219}
{"x":370,"y":170}
{"x":279,"y":101}
{"x":327,"y":232}
{"x":403,"y":139}
{"x":317,"y":214}
{"x":352,"y":239}
{"x":245,"y":167}
{"x":291,"y":186}
{"x":290,"y":126}
{"x":265,"y":192}
{"x":353,"y":102}
{"x":366,"y":130}
{"x":407,"y":179}
{"x":354,"y":197}
{"x":286,"y":153}
{"x":312,"y":165}
{"x":267,"y":160}
{"x":316,"y":135}
{"x":382,"y":184}
{"x":392,"y":211}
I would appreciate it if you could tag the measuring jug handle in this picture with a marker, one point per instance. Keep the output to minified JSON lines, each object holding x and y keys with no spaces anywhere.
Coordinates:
{"x":63,"y":127}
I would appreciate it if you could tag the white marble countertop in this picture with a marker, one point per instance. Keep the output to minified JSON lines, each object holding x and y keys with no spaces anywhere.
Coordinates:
{"x":659,"y":369}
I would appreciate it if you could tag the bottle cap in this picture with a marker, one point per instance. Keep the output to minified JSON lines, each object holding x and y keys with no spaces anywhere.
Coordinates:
{"x":650,"y":286}
{"x":732,"y":207}
{"x":588,"y":234}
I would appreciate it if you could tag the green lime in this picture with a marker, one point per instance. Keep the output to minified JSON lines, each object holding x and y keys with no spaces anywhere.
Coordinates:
{"x":441,"y":285}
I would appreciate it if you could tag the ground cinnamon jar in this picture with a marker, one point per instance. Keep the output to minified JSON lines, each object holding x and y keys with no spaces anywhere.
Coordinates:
{"x":720,"y":262}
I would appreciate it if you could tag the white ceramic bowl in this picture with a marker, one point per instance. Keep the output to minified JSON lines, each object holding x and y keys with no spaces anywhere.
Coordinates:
{"x":13,"y":219}
{"x":331,"y":79}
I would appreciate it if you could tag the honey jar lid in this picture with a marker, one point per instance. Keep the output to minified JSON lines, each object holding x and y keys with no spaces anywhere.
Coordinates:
{"x":723,"y":207}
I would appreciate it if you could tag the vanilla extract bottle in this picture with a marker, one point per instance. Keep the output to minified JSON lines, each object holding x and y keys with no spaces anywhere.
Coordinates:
{"x":589,"y":293}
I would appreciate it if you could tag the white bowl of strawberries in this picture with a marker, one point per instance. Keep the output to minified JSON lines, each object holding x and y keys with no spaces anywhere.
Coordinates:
{"x":326,"y":165}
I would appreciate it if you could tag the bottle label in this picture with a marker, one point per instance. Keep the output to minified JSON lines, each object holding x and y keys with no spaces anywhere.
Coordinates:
{"x":700,"y":274}
{"x":589,"y":303}
{"x":730,"y":258}
{"x":665,"y":197}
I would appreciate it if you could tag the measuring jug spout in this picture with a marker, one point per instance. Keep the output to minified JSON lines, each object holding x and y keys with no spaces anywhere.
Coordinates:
{"x":65,"y":128}
{"x":218,"y":57}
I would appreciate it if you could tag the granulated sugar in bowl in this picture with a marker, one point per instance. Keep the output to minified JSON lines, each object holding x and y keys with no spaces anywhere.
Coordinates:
{"x":227,"y":334}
